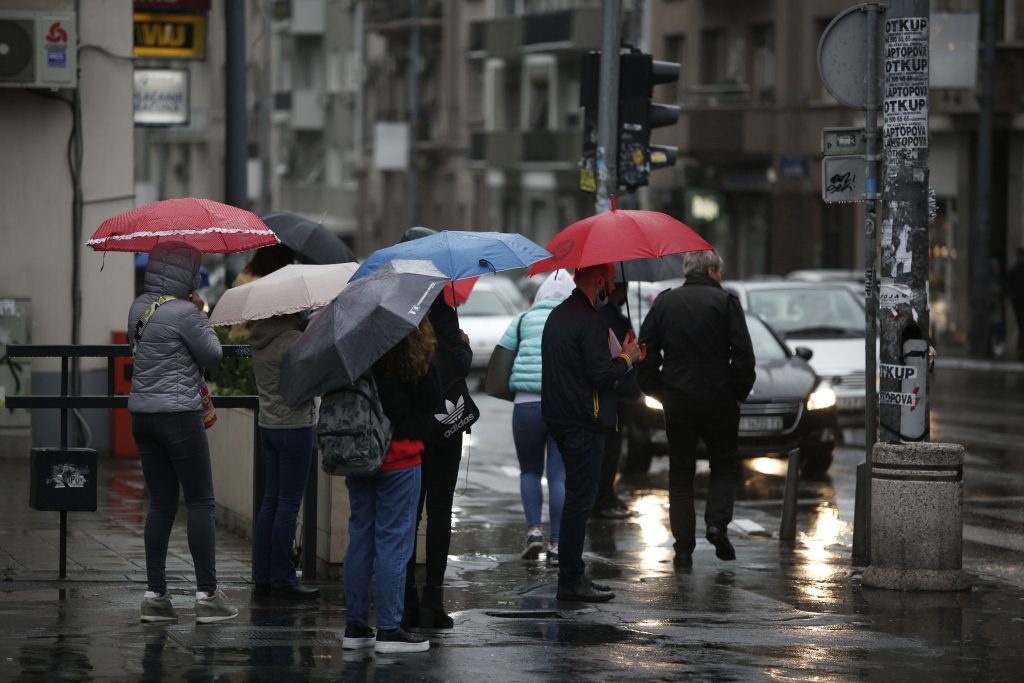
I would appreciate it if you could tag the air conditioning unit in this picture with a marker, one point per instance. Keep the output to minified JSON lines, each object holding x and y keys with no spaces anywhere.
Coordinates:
{"x":38,"y":49}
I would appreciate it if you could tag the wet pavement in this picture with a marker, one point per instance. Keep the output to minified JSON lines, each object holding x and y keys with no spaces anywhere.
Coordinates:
{"x":781,"y":611}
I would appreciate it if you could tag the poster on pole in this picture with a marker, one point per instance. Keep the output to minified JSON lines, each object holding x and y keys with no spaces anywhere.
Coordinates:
{"x":905,"y":103}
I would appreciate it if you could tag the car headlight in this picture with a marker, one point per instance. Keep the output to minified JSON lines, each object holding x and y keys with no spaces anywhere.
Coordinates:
{"x":653,"y":403}
{"x":822,"y":397}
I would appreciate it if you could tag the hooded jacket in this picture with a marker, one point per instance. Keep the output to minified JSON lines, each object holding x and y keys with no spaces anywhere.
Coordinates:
{"x":523,"y":336}
{"x":270,"y":339}
{"x":177,"y":342}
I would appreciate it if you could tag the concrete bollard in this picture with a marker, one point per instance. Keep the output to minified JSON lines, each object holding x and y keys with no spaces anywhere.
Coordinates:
{"x":917,"y":495}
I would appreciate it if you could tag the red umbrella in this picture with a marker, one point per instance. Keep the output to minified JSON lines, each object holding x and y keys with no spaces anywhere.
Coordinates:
{"x":462,"y":289}
{"x":618,"y":236}
{"x":209,"y":226}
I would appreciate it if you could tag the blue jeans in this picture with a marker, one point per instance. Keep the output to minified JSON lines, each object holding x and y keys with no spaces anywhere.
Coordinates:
{"x":381,"y":529}
{"x":287,"y":454}
{"x":582,"y":453}
{"x":176,"y":457}
{"x":531,"y":438}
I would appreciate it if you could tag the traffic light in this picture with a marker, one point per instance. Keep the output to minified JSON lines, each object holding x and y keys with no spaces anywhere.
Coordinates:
{"x":590,"y":78}
{"x":637,"y":157}
{"x":638,"y":74}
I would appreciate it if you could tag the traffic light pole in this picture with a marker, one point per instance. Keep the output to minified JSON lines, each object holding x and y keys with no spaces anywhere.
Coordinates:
{"x":607,"y":105}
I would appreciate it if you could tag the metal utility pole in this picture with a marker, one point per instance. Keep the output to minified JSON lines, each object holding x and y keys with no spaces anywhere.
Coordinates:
{"x":903,"y":278}
{"x":607,"y":105}
{"x":980,"y":239}
{"x":412,"y":187}
{"x":266,"y":104}
{"x":862,"y":516}
{"x":236,"y":135}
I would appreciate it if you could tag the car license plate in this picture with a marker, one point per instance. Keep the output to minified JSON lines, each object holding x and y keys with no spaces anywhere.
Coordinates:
{"x":761,"y":423}
{"x":850,"y":402}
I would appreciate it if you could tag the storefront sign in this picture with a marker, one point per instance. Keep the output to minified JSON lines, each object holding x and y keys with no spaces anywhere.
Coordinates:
{"x":161,"y":97}
{"x":170,"y":35}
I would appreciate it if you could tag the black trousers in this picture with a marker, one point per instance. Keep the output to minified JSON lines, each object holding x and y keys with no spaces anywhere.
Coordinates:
{"x":582,"y":452}
{"x":606,"y":497}
{"x":718,"y":425}
{"x":440,"y":472}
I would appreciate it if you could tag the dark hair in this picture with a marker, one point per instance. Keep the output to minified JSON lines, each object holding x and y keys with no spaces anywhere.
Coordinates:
{"x":410,"y":358}
{"x":268,"y":259}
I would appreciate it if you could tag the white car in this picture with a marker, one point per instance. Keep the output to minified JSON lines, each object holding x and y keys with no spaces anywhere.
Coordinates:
{"x":485,"y":315}
{"x":825,"y":317}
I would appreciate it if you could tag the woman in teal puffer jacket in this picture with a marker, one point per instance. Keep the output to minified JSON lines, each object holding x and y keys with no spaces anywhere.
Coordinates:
{"x":528,"y":429}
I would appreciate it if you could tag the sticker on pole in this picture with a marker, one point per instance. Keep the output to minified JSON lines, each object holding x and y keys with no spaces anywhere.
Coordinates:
{"x":898,"y":398}
{"x":891,"y":295}
{"x":905,"y":96}
{"x":887,"y":371}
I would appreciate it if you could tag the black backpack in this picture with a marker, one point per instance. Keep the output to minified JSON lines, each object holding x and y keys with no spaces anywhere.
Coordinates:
{"x":353,"y":433}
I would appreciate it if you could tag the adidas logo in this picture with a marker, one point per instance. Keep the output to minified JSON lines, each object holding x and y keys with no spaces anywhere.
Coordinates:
{"x":453,"y":414}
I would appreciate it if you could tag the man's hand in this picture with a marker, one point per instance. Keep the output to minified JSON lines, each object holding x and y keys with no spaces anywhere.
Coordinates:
{"x":631,"y":348}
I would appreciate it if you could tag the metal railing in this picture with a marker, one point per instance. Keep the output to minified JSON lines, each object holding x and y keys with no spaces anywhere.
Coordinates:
{"x":65,"y":402}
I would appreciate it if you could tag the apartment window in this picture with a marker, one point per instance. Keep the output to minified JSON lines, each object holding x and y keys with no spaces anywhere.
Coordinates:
{"x":675,"y":51}
{"x":762,"y":81}
{"x":721,"y":57}
{"x":1013,"y":21}
{"x":538,"y":104}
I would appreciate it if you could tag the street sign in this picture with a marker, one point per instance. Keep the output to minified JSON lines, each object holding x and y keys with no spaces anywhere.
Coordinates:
{"x":842,"y":59}
{"x":842,"y":179}
{"x":843,"y":141}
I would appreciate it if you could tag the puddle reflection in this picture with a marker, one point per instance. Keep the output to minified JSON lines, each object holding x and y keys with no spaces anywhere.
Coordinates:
{"x":652,"y":518}
{"x":817,"y":567}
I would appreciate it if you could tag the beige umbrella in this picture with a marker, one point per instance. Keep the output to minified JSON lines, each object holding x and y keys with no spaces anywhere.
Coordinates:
{"x":291,"y":289}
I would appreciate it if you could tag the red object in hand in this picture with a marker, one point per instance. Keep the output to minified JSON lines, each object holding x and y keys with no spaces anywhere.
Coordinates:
{"x":643,"y":352}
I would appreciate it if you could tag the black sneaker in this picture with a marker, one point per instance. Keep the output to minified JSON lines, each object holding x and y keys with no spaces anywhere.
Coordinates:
{"x":723,"y":548}
{"x":400,"y":640}
{"x":357,"y":637}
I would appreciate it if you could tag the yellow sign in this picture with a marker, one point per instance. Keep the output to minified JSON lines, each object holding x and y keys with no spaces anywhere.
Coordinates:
{"x":170,"y":35}
{"x":638,"y":156}
{"x":587,"y":182}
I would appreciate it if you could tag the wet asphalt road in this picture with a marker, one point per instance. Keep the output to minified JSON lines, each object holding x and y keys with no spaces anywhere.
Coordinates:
{"x":781,"y":611}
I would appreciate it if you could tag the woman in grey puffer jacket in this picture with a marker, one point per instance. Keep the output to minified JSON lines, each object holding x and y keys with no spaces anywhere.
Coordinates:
{"x":172,"y":343}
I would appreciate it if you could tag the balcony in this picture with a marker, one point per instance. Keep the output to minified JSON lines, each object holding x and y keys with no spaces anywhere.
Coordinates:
{"x":495,"y":149}
{"x":554,"y":148}
{"x":495,"y":38}
{"x":395,"y":17}
{"x":719,"y":95}
{"x":512,"y":150}
{"x":576,"y":30}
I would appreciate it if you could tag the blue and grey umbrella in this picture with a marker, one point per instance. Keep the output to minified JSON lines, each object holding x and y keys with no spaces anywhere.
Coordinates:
{"x":461,"y":254}
{"x":365,"y":321}
{"x":311,"y":241}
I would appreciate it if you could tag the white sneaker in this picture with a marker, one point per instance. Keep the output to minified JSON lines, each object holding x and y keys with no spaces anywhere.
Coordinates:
{"x":213,"y":608}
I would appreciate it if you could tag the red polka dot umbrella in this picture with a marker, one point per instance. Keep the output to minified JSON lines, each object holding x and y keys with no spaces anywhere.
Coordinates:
{"x":209,"y":226}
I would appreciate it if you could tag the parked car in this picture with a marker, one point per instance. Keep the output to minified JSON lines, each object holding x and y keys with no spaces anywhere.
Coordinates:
{"x":851,"y":279}
{"x":790,"y":407}
{"x":826,"y":318}
{"x":486,"y":314}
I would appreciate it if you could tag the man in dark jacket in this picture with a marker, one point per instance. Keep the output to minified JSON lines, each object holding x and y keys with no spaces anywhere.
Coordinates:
{"x":578,"y":401}
{"x":700,"y":365}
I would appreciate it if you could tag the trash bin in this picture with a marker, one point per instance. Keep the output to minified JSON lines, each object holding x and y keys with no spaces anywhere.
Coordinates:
{"x":917,"y":517}
{"x":63,"y":479}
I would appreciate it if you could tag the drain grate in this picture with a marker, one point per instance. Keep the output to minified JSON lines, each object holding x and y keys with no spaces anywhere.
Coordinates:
{"x":526,"y":614}
{"x":220,"y":637}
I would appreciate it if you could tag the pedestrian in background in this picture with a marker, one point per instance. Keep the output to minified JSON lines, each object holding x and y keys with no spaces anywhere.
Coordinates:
{"x":440,"y":472}
{"x":382,"y":522}
{"x":608,"y":504}
{"x":172,"y":341}
{"x":263,"y":262}
{"x":531,"y":436}
{"x":578,"y":404}
{"x":700,"y":365}
{"x":288,"y":442}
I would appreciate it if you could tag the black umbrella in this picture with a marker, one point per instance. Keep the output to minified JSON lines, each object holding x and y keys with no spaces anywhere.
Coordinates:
{"x":311,"y":242}
{"x":653,"y":269}
{"x":363,"y":323}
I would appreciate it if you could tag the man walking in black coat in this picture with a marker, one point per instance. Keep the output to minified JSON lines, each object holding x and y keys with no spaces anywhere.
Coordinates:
{"x":700,"y":365}
{"x":578,"y":403}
